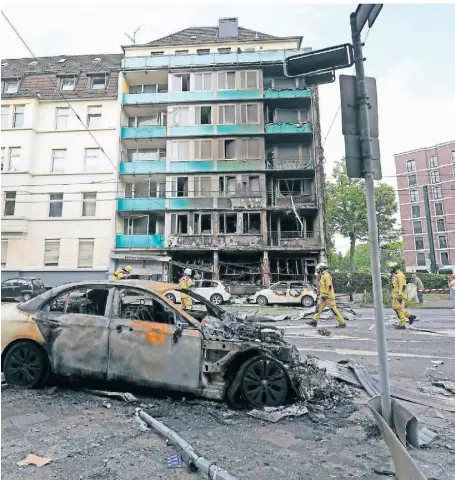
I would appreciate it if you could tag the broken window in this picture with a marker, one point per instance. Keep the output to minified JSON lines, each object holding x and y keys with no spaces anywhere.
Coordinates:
{"x":254,"y":184}
{"x":226,"y":114}
{"x":284,"y":83}
{"x":227,"y":184}
{"x":226,"y":80}
{"x":179,"y":224}
{"x":227,"y":149}
{"x":291,"y":186}
{"x":203,"y":149}
{"x":251,"y":223}
{"x":83,"y":300}
{"x":181,"y":150}
{"x":203,"y":115}
{"x":181,"y":187}
{"x":228,"y":223}
{"x":249,"y":113}
{"x":290,"y":116}
{"x":181,"y":82}
{"x":202,"y":223}
{"x":157,"y":189}
{"x":203,"y":81}
{"x":148,"y":120}
{"x":202,"y":187}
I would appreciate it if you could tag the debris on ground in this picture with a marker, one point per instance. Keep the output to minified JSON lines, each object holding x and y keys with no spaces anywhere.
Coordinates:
{"x":433,"y":389}
{"x":323,"y":331}
{"x":436,"y":363}
{"x":123,"y":396}
{"x":448,"y":385}
{"x":380,"y":469}
{"x":36,"y":460}
{"x":274,"y":414}
{"x":106,"y":405}
{"x":175,"y":461}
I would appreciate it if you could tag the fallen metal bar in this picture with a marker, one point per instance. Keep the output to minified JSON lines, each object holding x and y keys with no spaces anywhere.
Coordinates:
{"x":206,"y":466}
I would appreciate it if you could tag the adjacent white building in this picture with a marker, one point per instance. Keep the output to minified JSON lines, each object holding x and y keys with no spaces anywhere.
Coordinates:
{"x":60,"y":143}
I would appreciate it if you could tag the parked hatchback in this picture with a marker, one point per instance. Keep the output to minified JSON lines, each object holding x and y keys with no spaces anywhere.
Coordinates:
{"x":214,"y":291}
{"x":293,"y":292}
{"x":22,"y":288}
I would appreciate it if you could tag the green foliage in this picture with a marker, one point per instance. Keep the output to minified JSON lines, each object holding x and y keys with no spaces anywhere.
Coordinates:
{"x":429,"y":280}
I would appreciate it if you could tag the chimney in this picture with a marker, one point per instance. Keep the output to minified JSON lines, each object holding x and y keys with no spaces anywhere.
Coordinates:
{"x":228,"y":27}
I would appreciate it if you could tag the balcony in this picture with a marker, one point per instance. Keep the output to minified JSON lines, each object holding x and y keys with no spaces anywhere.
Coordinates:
{"x":294,"y":240}
{"x":234,"y":201}
{"x":272,"y":163}
{"x":139,"y":241}
{"x":191,"y":203}
{"x":141,"y":204}
{"x":239,"y":165}
{"x":285,"y":202}
{"x":183,"y":167}
{"x":143,"y":167}
{"x":221,"y":241}
{"x":210,"y":130}
{"x":143,"y":132}
{"x":177,"y":97}
{"x":287,"y":128}
{"x":173,"y":61}
{"x":287,"y":94}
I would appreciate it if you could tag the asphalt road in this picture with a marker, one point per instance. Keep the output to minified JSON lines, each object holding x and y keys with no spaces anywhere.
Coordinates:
{"x":89,"y":441}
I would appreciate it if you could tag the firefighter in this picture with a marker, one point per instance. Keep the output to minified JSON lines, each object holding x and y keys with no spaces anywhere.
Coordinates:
{"x":186,"y":282}
{"x":123,"y":274}
{"x":326,"y":297}
{"x":399,"y":297}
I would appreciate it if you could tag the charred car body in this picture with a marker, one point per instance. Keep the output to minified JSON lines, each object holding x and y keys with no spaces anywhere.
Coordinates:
{"x":128,"y":331}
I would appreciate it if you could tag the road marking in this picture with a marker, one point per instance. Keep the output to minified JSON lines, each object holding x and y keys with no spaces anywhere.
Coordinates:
{"x":357,"y":352}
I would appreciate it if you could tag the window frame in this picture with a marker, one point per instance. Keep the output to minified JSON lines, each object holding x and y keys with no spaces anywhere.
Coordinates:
{"x":4,"y":252}
{"x":244,"y":79}
{"x":420,"y":229}
{"x":416,"y":195}
{"x":97,"y":77}
{"x":433,"y":162}
{"x":10,"y":201}
{"x":247,"y":119}
{"x":412,"y":163}
{"x":435,"y":177}
{"x":419,"y":239}
{"x":87,"y":202}
{"x":225,"y":80}
{"x":54,"y":158}
{"x":65,"y":78}
{"x":52,"y":264}
{"x":52,"y":203}
{"x":58,"y":116}
{"x":448,"y":258}
{"x":203,"y":88}
{"x":436,"y":188}
{"x":438,"y":221}
{"x":89,"y":263}
{"x":92,"y":116}
{"x":7,"y":83}
{"x":86,"y":151}
{"x":420,"y":254}
{"x":222,"y":114}
{"x":197,"y":152}
{"x":442,"y":208}
{"x":6,"y":116}
{"x":412,"y":213}
{"x":443,"y":236}
{"x":16,"y":157}
{"x":17,"y":115}
{"x":409,"y":181}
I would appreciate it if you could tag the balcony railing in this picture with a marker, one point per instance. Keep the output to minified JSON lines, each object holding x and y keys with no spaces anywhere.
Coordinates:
{"x":285,"y":201}
{"x":285,"y":163}
{"x":288,"y":128}
{"x":141,"y":241}
{"x":286,"y":93}
{"x":294,"y":239}
{"x":219,"y":241}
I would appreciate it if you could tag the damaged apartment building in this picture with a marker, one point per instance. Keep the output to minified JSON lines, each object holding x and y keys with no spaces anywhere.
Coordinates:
{"x":220,"y":159}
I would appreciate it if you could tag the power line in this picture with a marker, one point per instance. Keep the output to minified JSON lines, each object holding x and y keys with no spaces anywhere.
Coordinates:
{"x":57,"y":89}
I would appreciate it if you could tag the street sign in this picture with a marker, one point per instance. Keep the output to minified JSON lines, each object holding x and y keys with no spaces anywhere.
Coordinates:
{"x":349,"y":111}
{"x":364,"y":12}
{"x":320,"y":78}
{"x":351,"y":127}
{"x":332,"y":58}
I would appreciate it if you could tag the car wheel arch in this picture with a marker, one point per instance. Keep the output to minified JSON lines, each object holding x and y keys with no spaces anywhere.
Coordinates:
{"x":32,"y":341}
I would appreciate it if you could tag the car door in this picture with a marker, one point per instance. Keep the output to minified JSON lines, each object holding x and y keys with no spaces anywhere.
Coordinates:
{"x":38,"y":287}
{"x":294,"y":293}
{"x":204,"y":289}
{"x":75,"y":326}
{"x":278,"y":293}
{"x":151,"y":343}
{"x":7,"y":289}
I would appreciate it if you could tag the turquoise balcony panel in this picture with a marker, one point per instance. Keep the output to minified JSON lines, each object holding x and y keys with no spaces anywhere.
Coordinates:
{"x":143,"y":167}
{"x":238,"y":94}
{"x":138,"y":241}
{"x":143,"y":132}
{"x":240,"y":129}
{"x":141,"y":204}
{"x":288,"y":128}
{"x":286,"y":94}
{"x":190,"y":166}
{"x":167,"y":61}
{"x":240,"y":165}
{"x":191,"y":130}
{"x":191,"y":203}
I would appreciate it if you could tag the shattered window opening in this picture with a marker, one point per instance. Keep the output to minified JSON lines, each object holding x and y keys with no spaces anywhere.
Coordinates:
{"x":83,"y":300}
{"x":228,"y":149}
{"x":182,"y":186}
{"x":251,"y":223}
{"x":203,"y":115}
{"x":202,"y":224}
{"x":228,"y":223}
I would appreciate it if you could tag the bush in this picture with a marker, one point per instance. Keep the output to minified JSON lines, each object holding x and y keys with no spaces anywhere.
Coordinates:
{"x":362,"y":281}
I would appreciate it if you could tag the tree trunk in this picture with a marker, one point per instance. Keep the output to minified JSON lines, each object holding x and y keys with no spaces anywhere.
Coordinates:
{"x":352,"y":240}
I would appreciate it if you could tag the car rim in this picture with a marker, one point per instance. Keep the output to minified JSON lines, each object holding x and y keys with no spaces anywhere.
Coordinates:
{"x":264,"y":383}
{"x":307,"y":301}
{"x":24,"y":367}
{"x":262,"y":300}
{"x":217,"y":300}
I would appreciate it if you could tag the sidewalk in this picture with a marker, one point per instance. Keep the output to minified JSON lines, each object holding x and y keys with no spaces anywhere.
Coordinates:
{"x":435,"y":304}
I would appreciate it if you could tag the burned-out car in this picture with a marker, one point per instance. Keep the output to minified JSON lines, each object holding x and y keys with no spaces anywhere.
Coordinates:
{"x":128,"y":331}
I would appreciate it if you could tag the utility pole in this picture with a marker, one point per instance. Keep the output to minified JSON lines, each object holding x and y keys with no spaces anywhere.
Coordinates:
{"x":433,"y":266}
{"x":367,"y":155}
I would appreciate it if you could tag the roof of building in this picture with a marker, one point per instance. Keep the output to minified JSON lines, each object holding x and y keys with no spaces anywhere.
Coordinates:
{"x":201,"y":35}
{"x":40,"y":77}
{"x":420,"y":149}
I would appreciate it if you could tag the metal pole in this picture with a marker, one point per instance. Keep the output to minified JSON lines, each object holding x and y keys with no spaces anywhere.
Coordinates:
{"x":433,"y":267}
{"x":365,"y":139}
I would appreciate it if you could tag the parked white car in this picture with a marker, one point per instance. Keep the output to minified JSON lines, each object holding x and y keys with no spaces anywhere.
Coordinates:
{"x":214,"y":291}
{"x":293,"y":292}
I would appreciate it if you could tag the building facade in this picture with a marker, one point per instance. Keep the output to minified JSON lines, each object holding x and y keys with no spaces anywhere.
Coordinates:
{"x":433,"y":167}
{"x":220,"y":159}
{"x":60,"y":131}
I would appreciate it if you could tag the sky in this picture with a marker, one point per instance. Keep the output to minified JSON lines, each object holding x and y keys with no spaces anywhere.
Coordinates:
{"x":409,"y":50}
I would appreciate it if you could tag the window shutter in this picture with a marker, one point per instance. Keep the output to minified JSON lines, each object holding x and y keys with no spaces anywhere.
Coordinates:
{"x":86,"y":247}
{"x":51,"y":252}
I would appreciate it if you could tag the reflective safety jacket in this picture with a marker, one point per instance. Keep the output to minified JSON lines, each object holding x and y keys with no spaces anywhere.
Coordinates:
{"x":326,"y":286}
{"x":399,"y":285}
{"x":185,"y":282}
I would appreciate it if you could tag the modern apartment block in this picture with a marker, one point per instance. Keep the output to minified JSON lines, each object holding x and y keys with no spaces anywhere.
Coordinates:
{"x":433,"y":167}
{"x":58,"y":183}
{"x":220,"y":162}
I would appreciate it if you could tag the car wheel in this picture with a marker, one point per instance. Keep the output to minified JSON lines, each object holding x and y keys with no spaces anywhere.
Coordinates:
{"x":307,"y":301}
{"x":216,"y":299}
{"x":262,"y":300}
{"x":25,"y":365}
{"x":172,"y":298}
{"x":27,"y":296}
{"x":264,"y":382}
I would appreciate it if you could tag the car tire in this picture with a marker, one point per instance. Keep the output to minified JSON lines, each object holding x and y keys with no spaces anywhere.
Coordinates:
{"x":307,"y":301}
{"x":27,"y":296}
{"x":262,"y":300}
{"x":172,"y":298}
{"x":25,"y":365}
{"x":264,"y":382}
{"x":216,"y":299}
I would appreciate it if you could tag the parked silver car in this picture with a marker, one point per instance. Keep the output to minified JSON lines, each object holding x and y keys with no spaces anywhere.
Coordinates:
{"x":292,"y":292}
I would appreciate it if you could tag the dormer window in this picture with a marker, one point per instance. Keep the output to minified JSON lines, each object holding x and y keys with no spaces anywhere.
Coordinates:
{"x":62,"y":60}
{"x":11,"y":86}
{"x":68,"y":83}
{"x":203,"y":51}
{"x":98,"y":82}
{"x":33,"y":63}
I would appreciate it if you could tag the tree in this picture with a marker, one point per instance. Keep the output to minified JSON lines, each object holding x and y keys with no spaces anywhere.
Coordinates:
{"x":346,"y":211}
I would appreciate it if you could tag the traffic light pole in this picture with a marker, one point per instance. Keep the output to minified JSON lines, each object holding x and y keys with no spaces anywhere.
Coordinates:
{"x":366,"y":149}
{"x":433,"y":267}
